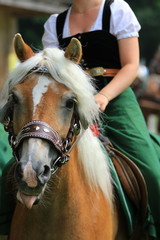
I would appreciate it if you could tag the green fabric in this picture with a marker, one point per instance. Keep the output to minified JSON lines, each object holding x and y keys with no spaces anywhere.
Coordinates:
{"x":6,"y":205}
{"x":125,"y":203}
{"x":5,"y":149}
{"x":124,"y":125}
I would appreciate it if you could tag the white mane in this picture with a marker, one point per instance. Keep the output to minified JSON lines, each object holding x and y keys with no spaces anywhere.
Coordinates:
{"x":64,"y":71}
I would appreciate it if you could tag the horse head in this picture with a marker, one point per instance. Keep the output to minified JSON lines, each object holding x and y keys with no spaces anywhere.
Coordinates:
{"x":42,"y":113}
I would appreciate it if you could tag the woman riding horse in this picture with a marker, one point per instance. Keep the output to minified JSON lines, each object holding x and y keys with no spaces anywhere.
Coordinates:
{"x":45,"y":112}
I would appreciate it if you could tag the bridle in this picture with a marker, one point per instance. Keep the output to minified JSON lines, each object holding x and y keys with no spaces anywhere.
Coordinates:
{"x":41,"y":130}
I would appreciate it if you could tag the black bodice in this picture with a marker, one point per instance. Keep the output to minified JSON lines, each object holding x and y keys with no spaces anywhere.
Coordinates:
{"x":100,"y":48}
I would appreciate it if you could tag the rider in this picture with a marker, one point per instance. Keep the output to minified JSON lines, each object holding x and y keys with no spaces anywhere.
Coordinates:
{"x":108,"y":31}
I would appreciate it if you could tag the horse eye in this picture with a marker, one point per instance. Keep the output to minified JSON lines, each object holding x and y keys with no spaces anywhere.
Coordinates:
{"x":70,"y":103}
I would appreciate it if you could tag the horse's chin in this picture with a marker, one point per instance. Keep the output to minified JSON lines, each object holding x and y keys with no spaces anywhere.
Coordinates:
{"x":27,"y":200}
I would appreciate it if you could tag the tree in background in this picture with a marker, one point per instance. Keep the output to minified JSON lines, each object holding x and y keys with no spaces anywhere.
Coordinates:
{"x":32,"y":30}
{"x":148,"y":14}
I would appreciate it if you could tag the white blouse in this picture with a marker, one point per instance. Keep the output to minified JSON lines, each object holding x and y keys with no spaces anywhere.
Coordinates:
{"x":123,"y":24}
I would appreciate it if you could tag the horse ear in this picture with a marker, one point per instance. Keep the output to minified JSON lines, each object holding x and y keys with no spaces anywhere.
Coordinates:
{"x":22,"y":50}
{"x":74,"y":51}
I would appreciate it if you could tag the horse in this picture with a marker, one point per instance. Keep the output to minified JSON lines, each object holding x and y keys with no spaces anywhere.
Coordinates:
{"x":63,"y":180}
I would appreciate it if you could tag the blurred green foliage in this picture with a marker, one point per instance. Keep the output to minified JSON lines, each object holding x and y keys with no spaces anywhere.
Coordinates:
{"x":147,"y":12}
{"x":32,"y":30}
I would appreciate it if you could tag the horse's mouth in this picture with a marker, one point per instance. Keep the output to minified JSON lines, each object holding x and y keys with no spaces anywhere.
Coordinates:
{"x":27,"y":200}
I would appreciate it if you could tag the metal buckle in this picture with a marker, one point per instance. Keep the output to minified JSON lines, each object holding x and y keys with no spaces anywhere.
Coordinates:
{"x":97,"y":71}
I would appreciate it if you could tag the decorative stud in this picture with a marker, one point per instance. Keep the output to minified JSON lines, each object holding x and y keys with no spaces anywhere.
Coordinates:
{"x":26,"y":129}
{"x":46,"y":130}
{"x":36,"y":128}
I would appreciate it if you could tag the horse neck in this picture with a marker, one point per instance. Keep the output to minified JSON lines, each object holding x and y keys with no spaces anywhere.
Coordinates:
{"x":78,"y":206}
{"x":71,"y":209}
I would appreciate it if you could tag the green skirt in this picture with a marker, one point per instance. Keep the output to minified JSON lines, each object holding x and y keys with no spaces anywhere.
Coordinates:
{"x":124,"y":125}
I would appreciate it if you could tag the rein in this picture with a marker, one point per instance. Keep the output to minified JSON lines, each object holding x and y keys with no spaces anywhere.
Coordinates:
{"x":41,"y":130}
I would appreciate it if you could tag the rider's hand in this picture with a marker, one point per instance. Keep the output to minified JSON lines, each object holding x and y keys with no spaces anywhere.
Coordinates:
{"x":102,"y":101}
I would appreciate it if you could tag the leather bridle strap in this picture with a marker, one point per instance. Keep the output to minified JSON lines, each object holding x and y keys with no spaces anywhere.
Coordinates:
{"x":39,"y":129}
{"x":63,"y":159}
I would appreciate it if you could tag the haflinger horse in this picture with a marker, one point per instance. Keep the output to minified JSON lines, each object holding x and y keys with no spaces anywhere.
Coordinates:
{"x":47,"y":104}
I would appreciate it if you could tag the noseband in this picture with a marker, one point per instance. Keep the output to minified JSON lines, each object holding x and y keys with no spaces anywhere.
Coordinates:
{"x":41,"y":130}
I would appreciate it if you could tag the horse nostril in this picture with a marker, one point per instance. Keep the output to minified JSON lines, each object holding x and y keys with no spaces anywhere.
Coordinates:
{"x":18,"y":172}
{"x":45,"y":174}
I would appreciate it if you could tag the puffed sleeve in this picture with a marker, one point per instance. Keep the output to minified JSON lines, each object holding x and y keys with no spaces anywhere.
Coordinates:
{"x":123,"y":22}
{"x":49,"y":38}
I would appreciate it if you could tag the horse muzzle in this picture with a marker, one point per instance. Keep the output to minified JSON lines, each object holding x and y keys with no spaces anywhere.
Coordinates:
{"x":31,"y":182}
